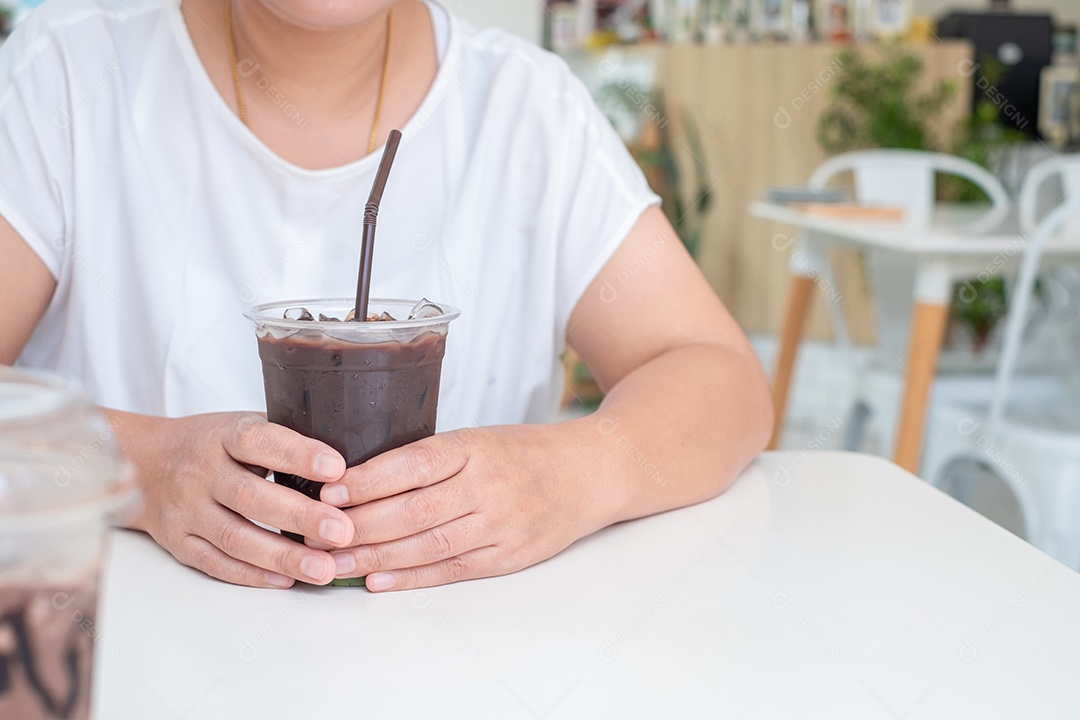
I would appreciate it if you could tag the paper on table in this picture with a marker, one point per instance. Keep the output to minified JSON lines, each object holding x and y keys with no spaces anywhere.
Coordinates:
{"x":852,"y":211}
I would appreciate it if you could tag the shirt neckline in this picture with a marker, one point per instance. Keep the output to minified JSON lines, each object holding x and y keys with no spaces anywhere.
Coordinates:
{"x":256,"y":145}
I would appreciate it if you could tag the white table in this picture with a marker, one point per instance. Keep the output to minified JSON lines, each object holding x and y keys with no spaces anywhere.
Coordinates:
{"x":943,"y":254}
{"x":823,"y":585}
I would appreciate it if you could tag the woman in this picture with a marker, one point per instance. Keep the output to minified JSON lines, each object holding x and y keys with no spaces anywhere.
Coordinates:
{"x":165,"y":164}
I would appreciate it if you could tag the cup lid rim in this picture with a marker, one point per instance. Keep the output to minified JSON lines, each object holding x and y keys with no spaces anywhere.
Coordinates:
{"x":32,"y":395}
{"x":256,"y":314}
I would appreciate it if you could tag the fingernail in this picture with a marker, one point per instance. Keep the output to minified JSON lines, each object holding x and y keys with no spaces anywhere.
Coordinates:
{"x":345,"y":564}
{"x":333,"y":531}
{"x":272,"y":578}
{"x":328,"y":466}
{"x":336,"y":494}
{"x":313,"y":568}
{"x":380,"y":581}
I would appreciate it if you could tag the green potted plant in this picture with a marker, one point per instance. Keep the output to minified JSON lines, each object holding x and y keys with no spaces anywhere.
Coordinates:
{"x":878,"y":105}
{"x":6,"y":18}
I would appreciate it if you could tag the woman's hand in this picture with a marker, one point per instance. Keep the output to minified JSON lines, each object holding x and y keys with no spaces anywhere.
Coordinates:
{"x":465,"y":504}
{"x":203,"y":476}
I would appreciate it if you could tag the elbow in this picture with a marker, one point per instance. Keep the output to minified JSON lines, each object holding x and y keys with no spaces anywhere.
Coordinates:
{"x":754,"y":422}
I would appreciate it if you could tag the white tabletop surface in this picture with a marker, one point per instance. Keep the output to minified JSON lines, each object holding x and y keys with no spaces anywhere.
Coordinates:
{"x":941,"y":238}
{"x":822,"y":585}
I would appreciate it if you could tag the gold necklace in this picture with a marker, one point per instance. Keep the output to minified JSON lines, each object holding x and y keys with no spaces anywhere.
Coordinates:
{"x":230,"y":39}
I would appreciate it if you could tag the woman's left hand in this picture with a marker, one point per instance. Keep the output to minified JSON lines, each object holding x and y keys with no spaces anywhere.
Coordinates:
{"x":465,"y":504}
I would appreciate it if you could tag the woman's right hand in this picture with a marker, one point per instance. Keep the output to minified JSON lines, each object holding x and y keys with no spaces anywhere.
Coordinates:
{"x":203,"y":477}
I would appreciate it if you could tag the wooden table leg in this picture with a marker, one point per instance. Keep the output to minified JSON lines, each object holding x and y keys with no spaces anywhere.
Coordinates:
{"x":927,"y":333}
{"x":790,"y":337}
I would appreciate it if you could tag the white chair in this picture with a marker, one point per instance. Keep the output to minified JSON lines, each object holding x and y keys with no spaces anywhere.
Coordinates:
{"x":1037,"y":196}
{"x":904,"y":178}
{"x":1026,"y":439}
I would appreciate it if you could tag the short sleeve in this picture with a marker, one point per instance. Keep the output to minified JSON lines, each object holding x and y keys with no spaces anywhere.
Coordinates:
{"x":603,"y":193}
{"x":35,"y":143}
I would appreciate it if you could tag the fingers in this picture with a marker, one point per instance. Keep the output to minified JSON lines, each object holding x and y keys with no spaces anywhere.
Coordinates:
{"x":250,"y":544}
{"x":282,"y":507}
{"x":438,"y":543}
{"x":481,"y":562}
{"x":416,"y":465}
{"x":255,"y":442}
{"x":200,"y":554}
{"x":409,"y":513}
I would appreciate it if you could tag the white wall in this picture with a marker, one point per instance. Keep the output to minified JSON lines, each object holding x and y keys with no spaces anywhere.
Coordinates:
{"x":523,"y":17}
{"x":1064,"y":11}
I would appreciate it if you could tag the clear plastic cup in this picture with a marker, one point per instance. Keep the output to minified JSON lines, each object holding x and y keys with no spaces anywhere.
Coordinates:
{"x":61,"y":480}
{"x":360,"y":387}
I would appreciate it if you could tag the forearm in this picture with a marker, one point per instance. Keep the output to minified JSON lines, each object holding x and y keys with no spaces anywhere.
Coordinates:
{"x":675,"y":431}
{"x":139,"y":438}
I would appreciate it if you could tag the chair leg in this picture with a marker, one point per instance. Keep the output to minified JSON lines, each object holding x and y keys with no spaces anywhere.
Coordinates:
{"x":858,"y":419}
{"x":924,"y":346}
{"x":790,"y":337}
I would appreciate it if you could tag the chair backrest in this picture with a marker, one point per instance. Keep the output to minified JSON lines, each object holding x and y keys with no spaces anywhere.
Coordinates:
{"x":1050,"y":227}
{"x":1067,"y":169}
{"x":906,"y":178}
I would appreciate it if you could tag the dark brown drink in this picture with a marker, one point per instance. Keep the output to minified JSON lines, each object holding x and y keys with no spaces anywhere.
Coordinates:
{"x":46,"y":652}
{"x":361,"y":399}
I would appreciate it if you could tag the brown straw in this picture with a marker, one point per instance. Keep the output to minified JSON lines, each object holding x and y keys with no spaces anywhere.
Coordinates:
{"x":371,"y":213}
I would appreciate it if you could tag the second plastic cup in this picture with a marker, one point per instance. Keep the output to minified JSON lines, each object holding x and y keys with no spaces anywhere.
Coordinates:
{"x":360,"y":387}
{"x":61,"y":480}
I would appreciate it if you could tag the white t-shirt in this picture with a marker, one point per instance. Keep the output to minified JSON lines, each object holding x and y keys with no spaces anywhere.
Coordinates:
{"x":162,"y":216}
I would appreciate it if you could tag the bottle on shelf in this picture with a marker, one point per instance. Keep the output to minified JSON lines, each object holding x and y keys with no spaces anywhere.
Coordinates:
{"x":834,"y":20}
{"x":802,"y":20}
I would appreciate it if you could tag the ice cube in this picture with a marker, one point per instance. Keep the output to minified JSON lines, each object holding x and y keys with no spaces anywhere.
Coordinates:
{"x":425,"y":309}
{"x":327,"y":318}
{"x":351,"y":316}
{"x":298,"y":313}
